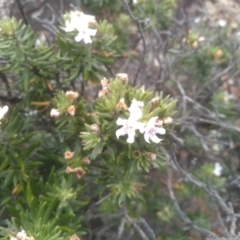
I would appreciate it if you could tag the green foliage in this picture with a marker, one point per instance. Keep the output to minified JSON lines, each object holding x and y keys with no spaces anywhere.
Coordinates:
{"x":60,"y":169}
{"x":160,"y":12}
{"x":42,"y":187}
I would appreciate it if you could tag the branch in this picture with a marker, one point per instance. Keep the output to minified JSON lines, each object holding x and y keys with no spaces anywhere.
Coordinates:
{"x":182,"y":215}
{"x":24,"y":16}
{"x":138,"y":22}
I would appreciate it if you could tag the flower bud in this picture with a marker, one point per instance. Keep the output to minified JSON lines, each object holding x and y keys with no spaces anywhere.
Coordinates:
{"x":69,"y":170}
{"x":54,"y":113}
{"x":22,"y":235}
{"x":71,"y":95}
{"x":159,"y":123}
{"x":218,"y":54}
{"x":122,"y":76}
{"x":195,"y":44}
{"x":137,"y":187}
{"x":152,"y":156}
{"x":154,"y":101}
{"x":104,"y":83}
{"x":78,"y":171}
{"x":103,"y":92}
{"x":71,"y":110}
{"x":68,"y":155}
{"x":74,"y":237}
{"x":167,"y":120}
{"x":95,"y":127}
{"x":86,"y":161}
{"x":201,"y":39}
{"x":121,"y":105}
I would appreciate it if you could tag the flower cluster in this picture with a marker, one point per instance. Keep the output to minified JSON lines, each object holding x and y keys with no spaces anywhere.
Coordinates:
{"x":130,"y":125}
{"x":70,"y":97}
{"x":80,"y":22}
{"x":21,"y":236}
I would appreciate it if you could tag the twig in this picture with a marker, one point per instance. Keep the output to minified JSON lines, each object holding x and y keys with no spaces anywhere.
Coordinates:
{"x":24,"y":16}
{"x":182,"y":215}
{"x":149,"y":230}
{"x":121,"y":228}
{"x":138,"y":22}
{"x":137,"y":228}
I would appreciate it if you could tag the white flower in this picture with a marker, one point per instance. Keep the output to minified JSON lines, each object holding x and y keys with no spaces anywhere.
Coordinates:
{"x":129,"y":126}
{"x":80,"y":21}
{"x":135,"y":1}
{"x":135,"y":109}
{"x":151,"y":130}
{"x":71,"y":95}
{"x":218,"y":169}
{"x":13,"y":238}
{"x":72,"y":23}
{"x":22,"y":235}
{"x":85,"y":35}
{"x":197,"y":20}
{"x":222,"y":23}
{"x":3,"y":111}
{"x":31,"y":113}
{"x":54,"y":113}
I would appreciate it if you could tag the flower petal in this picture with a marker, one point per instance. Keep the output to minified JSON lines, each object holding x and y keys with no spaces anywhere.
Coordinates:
{"x":3,"y":111}
{"x":135,"y":113}
{"x":156,"y":139}
{"x":151,"y":122}
{"x":135,"y":110}
{"x":87,"y":39}
{"x":146,"y":137}
{"x":120,"y":132}
{"x":79,"y":37}
{"x":91,"y":32}
{"x":160,"y":130}
{"x":131,"y":136}
{"x":69,"y":27}
{"x":121,"y":121}
{"x":140,"y":126}
{"x":136,"y":103}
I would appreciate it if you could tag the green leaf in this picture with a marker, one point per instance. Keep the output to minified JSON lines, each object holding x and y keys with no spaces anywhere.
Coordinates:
{"x":97,"y":150}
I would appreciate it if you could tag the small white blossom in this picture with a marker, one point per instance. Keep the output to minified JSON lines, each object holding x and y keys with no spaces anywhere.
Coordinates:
{"x":80,"y":21}
{"x":54,"y":113}
{"x":85,"y":35}
{"x":31,"y":113}
{"x":13,"y":238}
{"x":129,"y":126}
{"x":197,"y":20}
{"x":72,"y":23}
{"x":135,"y":109}
{"x":3,"y":111}
{"x":217,"y":169}
{"x":151,"y":130}
{"x":222,"y":23}
{"x":22,"y":235}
